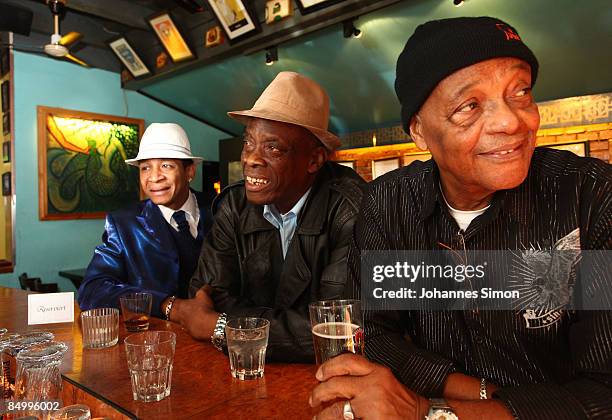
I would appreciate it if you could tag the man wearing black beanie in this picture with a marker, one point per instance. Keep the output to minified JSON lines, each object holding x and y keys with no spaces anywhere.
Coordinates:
{"x":464,"y":85}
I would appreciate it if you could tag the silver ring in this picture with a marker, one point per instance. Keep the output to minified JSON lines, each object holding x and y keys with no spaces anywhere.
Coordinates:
{"x":347,"y":411}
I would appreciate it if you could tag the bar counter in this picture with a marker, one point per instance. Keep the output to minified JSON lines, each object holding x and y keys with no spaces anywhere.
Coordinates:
{"x":202,"y":386}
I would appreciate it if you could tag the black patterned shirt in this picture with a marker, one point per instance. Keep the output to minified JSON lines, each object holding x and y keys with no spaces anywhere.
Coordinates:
{"x":556,"y":366}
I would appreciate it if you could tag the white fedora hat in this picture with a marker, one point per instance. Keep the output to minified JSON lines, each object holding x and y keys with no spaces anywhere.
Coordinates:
{"x":164,"y":141}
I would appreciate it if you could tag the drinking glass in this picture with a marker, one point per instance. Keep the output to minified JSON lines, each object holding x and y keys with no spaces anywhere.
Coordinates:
{"x":100,"y":327}
{"x":38,"y":378}
{"x":150,"y":356}
{"x":247,"y":339}
{"x":337,"y":327}
{"x":11,"y":345}
{"x":136,"y":310}
{"x":72,"y":412}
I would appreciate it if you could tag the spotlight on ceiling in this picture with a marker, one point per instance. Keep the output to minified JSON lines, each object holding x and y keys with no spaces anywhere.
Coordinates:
{"x":458,"y":3}
{"x":271,"y":55}
{"x":349,"y":30}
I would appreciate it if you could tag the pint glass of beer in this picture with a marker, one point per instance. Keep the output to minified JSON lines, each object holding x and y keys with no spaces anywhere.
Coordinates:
{"x":337,"y":327}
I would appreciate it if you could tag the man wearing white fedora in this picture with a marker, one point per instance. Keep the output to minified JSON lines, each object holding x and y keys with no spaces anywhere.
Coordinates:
{"x":152,"y":246}
{"x":280,"y":237}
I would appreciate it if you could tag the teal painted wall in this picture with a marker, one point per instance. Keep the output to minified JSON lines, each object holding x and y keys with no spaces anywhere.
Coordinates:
{"x":45,"y":247}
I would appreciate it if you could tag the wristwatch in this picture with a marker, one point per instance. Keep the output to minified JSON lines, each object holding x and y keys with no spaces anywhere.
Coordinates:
{"x":218,"y":336}
{"x":168,"y":309}
{"x":440,"y":410}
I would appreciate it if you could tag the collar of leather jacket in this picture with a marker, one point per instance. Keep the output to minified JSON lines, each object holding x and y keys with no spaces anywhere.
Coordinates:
{"x":332,"y":177}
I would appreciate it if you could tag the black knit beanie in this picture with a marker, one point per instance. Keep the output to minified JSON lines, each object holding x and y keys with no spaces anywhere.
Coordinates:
{"x":441,"y":47}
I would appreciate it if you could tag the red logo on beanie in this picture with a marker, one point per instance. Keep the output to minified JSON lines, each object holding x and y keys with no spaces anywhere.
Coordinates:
{"x":508,"y":31}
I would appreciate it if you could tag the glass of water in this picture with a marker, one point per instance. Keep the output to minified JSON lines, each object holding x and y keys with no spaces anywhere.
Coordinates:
{"x":247,"y":339}
{"x":72,"y":412}
{"x":150,"y":356}
{"x":337,"y":327}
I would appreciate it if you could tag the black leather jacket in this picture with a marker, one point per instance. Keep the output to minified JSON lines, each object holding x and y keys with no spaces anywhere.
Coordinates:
{"x":236,"y":259}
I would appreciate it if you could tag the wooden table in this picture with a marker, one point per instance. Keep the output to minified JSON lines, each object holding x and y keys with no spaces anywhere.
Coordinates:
{"x":75,"y":276}
{"x":202,"y":386}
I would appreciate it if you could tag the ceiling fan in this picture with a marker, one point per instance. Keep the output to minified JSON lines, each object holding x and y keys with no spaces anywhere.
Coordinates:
{"x":59,"y":45}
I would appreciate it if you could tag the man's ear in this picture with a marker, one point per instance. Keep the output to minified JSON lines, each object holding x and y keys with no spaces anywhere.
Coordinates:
{"x":190,"y":170}
{"x":317,"y":159}
{"x":416,"y":132}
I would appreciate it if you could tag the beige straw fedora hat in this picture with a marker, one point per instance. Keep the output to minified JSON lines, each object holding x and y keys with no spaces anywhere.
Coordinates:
{"x":294,"y":99}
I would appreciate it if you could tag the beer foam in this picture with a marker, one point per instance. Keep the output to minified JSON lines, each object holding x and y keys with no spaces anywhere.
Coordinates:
{"x":341,"y":327}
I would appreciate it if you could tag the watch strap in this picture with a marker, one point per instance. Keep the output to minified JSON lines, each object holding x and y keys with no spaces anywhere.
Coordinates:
{"x":439,"y":409}
{"x":169,"y":307}
{"x":218,"y":336}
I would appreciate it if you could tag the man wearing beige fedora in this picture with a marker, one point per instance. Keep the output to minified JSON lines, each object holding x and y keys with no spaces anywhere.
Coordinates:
{"x":153,"y":245}
{"x":280,"y":237}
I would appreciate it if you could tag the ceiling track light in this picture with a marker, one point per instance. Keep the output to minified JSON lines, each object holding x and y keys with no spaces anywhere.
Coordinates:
{"x":349,"y":30}
{"x":271,"y":55}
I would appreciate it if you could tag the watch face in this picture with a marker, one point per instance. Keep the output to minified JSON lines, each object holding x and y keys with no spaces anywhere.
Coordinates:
{"x":442,"y":415}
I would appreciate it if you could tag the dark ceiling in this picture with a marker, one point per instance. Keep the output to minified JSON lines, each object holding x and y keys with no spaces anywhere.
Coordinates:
{"x":572,"y":39}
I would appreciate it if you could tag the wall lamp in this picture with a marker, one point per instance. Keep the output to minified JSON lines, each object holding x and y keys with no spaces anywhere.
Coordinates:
{"x":349,"y":30}
{"x":271,"y":55}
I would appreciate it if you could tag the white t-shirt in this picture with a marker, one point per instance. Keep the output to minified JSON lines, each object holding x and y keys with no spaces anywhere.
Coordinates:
{"x":464,"y":217}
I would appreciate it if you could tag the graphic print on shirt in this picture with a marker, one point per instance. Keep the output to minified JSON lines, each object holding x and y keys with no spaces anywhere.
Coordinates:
{"x":546,"y":279}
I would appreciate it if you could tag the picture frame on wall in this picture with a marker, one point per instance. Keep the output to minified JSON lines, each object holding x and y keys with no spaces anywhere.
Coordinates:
{"x":6,"y":123}
{"x":171,"y":38}
{"x":579,"y":149}
{"x":128,"y":57}
{"x":309,"y":6}
{"x":413,"y":157}
{"x":6,"y":152}
{"x":235,"y":18}
{"x":6,"y":99}
{"x":382,"y":166}
{"x":5,"y":61}
{"x":6,"y":183}
{"x":81,"y":167}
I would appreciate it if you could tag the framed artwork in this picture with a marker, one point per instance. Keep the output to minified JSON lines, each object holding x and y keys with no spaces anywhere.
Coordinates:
{"x":412,"y":157}
{"x":170,"y":37}
{"x":6,"y":123}
{"x":309,"y":6}
{"x":277,"y":10}
{"x":81,"y":168}
{"x":381,"y":167}
{"x":235,"y":18}
{"x":6,"y":152}
{"x":579,"y":149}
{"x":5,"y":61}
{"x":347,"y":163}
{"x":6,"y":183}
{"x":128,"y":57}
{"x":214,"y":37}
{"x":161,"y":60}
{"x":5,"y":96}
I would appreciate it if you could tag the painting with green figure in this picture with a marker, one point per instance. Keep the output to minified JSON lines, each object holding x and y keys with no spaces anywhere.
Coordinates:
{"x":86,"y":173}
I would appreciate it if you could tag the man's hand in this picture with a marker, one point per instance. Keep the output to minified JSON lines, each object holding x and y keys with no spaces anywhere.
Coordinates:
{"x":372,"y":389}
{"x":197,"y":315}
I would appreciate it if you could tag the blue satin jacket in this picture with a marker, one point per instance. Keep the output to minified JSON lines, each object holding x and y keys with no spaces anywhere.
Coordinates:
{"x":138,"y":254}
